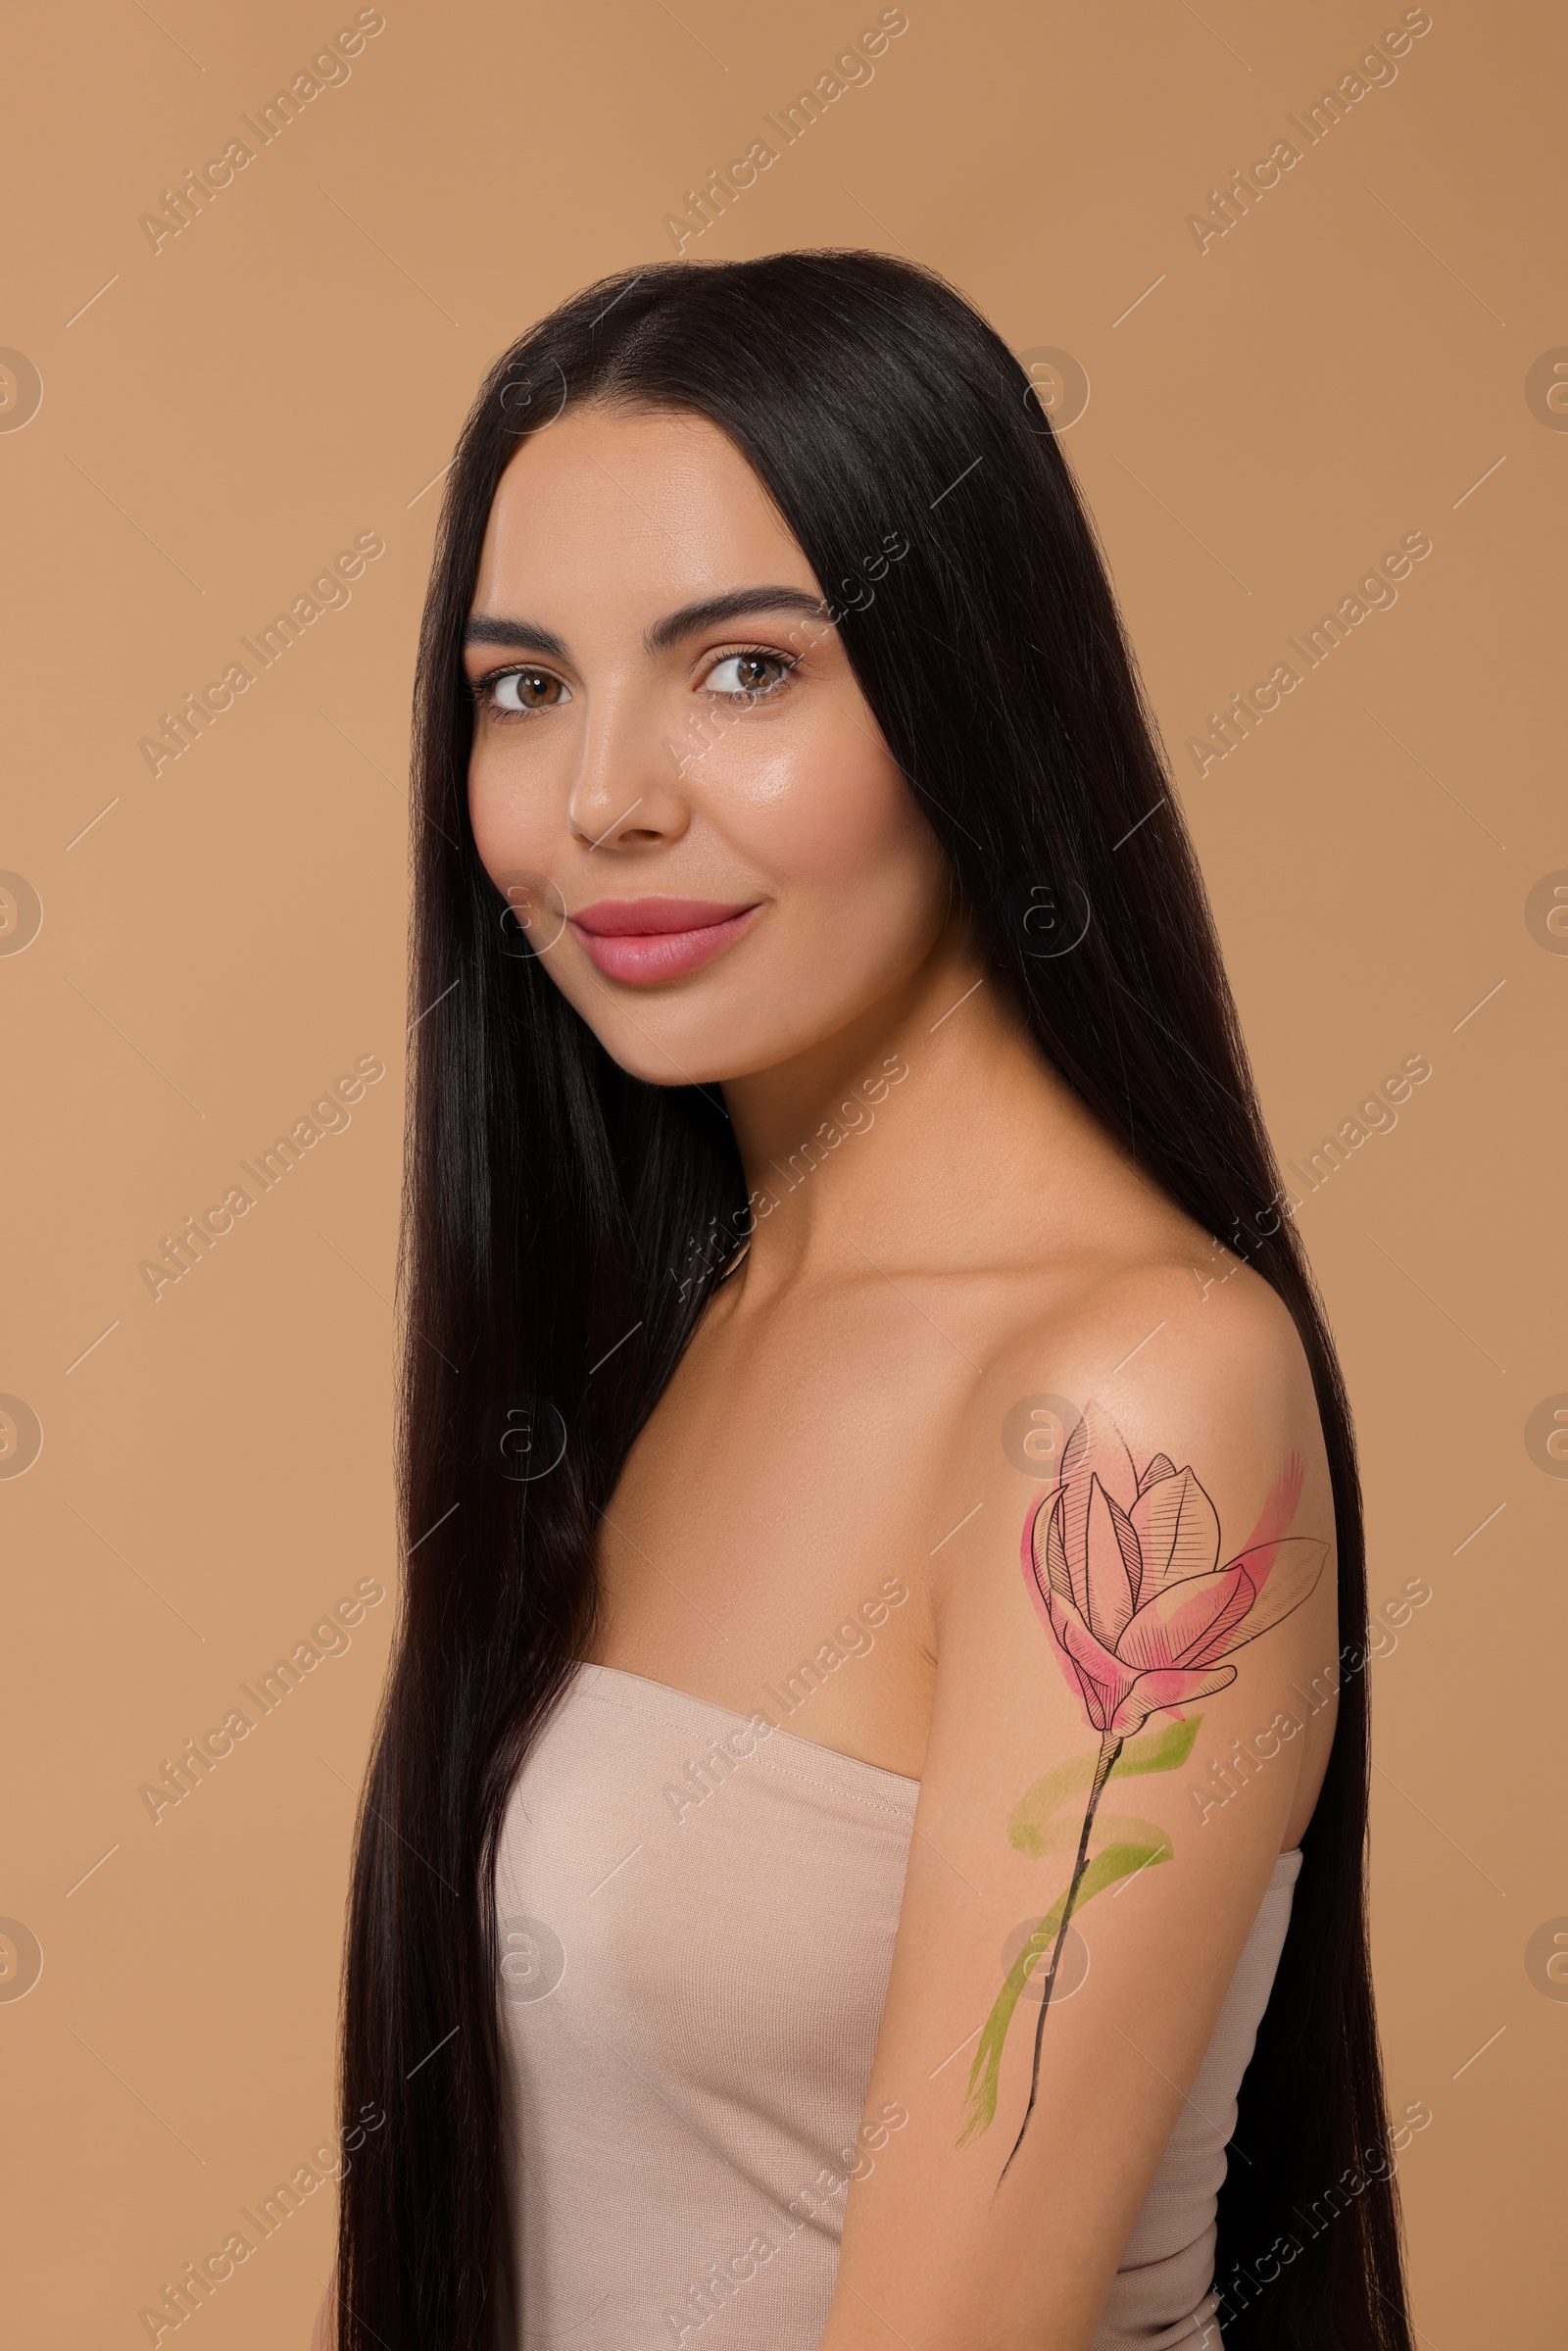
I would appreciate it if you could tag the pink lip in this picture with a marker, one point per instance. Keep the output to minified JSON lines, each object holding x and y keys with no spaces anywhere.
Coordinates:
{"x":644,"y":940}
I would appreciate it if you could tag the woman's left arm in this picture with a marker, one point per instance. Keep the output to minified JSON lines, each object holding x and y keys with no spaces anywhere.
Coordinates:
{"x":1105,"y":1633}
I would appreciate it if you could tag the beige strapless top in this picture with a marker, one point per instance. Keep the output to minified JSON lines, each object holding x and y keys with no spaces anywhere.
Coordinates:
{"x":696,"y":1915}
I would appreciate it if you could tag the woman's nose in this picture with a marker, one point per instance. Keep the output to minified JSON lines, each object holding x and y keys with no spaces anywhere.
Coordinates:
{"x":626,"y":792}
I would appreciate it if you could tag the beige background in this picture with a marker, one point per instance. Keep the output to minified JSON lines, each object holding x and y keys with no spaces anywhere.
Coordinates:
{"x":1349,"y":363}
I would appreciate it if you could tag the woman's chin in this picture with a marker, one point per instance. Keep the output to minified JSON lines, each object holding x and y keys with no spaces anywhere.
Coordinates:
{"x":705,"y":1051}
{"x":696,"y":1044}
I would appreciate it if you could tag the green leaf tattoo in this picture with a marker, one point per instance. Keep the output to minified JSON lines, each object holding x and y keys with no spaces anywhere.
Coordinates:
{"x":1033,"y":1828}
{"x":1163,"y":1750}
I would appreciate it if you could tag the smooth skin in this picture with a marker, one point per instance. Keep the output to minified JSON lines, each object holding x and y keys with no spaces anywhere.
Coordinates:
{"x":972,"y":1239}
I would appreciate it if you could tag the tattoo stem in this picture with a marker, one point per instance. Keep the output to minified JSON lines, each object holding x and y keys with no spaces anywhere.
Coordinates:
{"x":1109,"y":1749}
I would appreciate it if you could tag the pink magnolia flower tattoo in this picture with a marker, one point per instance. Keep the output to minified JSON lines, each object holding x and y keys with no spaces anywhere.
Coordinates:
{"x":1122,"y":1565}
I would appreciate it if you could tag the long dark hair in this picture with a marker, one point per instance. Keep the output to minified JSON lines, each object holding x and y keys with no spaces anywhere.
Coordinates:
{"x":555,"y":1204}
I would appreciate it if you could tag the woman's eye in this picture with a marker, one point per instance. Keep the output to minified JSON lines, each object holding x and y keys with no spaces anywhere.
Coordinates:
{"x":525,"y":690}
{"x":748,"y":673}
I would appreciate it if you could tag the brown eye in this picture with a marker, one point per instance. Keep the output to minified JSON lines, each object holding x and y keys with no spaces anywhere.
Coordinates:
{"x":748,"y":673}
{"x":526,"y":690}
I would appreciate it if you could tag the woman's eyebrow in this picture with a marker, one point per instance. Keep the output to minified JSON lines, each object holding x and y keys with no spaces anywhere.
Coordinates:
{"x":490,"y":630}
{"x":487,"y":628}
{"x":733,"y":606}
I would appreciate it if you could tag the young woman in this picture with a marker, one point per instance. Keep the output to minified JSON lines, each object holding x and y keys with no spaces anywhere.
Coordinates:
{"x":865,"y":1841}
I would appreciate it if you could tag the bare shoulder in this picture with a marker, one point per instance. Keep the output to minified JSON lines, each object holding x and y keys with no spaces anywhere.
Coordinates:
{"x":1150,"y":1340}
{"x":1135,"y":1586}
{"x":1207,"y":1378}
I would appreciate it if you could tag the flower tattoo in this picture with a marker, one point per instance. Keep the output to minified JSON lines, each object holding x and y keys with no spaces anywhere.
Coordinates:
{"x":1123,"y":1567}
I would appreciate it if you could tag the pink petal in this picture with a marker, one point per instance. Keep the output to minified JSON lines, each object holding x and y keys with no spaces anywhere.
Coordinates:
{"x":1161,"y":1466}
{"x":1222,"y":1634}
{"x":1099,"y":1674}
{"x":1177,"y":1529}
{"x":1082,"y":1644}
{"x":1095,"y":1449}
{"x":1278,"y":1510}
{"x":1056,"y":1574}
{"x":1035,"y":1582}
{"x":1113,"y":1564}
{"x":1051,"y":1608}
{"x":1278,"y":1576}
{"x":1179,"y":1618}
{"x":1165,"y":1691}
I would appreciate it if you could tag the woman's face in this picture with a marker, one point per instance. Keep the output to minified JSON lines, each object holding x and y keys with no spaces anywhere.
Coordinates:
{"x":675,"y":775}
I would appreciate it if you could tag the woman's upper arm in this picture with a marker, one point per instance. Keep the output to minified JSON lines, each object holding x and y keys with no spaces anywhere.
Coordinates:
{"x":1103,"y":1633}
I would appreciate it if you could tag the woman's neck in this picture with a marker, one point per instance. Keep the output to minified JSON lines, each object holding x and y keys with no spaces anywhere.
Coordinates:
{"x":930,"y":1132}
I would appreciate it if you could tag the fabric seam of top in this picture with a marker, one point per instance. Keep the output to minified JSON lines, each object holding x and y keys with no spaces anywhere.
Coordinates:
{"x":877,"y":1804}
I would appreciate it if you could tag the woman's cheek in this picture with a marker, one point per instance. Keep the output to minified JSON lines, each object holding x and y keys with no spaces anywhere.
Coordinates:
{"x":818,"y":807}
{"x":509,"y":826}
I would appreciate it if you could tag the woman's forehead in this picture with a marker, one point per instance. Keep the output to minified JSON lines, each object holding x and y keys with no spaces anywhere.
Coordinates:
{"x":660,"y":502}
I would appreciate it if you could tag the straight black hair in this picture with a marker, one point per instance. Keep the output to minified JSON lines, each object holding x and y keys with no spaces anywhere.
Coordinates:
{"x":554,"y":1204}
